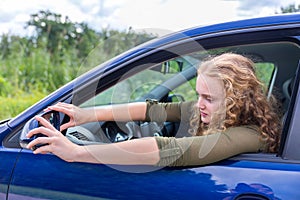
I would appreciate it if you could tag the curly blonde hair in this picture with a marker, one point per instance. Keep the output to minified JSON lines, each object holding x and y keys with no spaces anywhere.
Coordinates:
{"x":245,"y":100}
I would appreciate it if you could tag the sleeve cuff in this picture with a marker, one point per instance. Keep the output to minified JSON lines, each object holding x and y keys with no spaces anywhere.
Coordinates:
{"x":169,"y":152}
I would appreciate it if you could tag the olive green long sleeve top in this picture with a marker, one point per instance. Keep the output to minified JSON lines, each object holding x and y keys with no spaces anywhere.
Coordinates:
{"x":200,"y":150}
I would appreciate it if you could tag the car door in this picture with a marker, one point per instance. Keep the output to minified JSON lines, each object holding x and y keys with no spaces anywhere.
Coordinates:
{"x":248,"y":176}
{"x":8,"y":161}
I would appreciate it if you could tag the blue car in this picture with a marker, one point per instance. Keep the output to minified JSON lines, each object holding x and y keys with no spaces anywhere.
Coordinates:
{"x":165,"y":69}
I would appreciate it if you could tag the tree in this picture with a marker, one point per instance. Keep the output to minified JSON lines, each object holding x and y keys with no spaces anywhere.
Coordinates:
{"x":58,"y":35}
{"x":292,"y":8}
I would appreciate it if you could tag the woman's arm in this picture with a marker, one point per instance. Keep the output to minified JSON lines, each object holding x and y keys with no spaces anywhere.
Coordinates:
{"x":142,"y":151}
{"x":202,"y":150}
{"x":134,"y":152}
{"x":121,"y":112}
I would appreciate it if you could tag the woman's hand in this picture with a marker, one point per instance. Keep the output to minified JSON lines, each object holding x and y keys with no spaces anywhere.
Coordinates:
{"x":133,"y":152}
{"x":55,"y":142}
{"x":77,"y":115}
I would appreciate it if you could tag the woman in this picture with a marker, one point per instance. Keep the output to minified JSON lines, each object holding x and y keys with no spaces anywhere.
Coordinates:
{"x":232,"y":116}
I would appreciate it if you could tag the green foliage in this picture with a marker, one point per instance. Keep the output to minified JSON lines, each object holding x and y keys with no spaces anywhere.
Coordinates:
{"x":13,"y":105}
{"x":292,"y":8}
{"x":58,"y":51}
{"x":5,"y":87}
{"x":264,"y":72}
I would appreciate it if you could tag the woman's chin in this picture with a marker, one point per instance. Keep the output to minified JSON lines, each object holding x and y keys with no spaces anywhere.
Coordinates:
{"x":205,"y":120}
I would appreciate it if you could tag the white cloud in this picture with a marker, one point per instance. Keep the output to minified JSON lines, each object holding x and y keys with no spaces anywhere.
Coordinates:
{"x":164,"y":15}
{"x":247,"y":8}
{"x":173,"y":14}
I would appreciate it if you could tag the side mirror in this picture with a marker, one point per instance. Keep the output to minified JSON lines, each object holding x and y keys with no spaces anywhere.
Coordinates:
{"x":51,"y":116}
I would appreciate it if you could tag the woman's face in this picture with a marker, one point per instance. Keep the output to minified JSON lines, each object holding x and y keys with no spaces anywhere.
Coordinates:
{"x":211,"y":96}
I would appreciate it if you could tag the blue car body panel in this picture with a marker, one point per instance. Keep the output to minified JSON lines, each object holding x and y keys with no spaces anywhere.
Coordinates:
{"x":8,"y":161}
{"x":24,"y":175}
{"x":226,"y":179}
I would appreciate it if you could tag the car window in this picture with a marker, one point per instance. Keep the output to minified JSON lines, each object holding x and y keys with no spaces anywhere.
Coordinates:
{"x":265,"y":72}
{"x":172,"y":80}
{"x":130,"y":89}
{"x":184,"y":92}
{"x":140,"y":85}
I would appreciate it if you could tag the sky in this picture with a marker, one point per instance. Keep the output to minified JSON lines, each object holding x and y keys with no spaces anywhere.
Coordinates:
{"x":159,"y":16}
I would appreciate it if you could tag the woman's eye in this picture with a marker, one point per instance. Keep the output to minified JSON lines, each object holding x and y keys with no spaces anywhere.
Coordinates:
{"x":209,"y":99}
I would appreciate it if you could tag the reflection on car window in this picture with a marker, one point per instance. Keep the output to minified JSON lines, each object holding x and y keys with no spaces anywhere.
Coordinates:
{"x":140,"y":84}
{"x":134,"y":87}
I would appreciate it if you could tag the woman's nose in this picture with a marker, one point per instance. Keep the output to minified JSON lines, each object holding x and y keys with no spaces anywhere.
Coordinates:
{"x":200,"y":103}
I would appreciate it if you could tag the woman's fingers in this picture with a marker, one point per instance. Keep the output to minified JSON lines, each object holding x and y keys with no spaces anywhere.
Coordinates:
{"x":45,"y":122}
{"x":38,"y":130}
{"x":63,"y":107}
{"x":66,"y":125}
{"x":67,"y":109}
{"x":46,"y":142}
{"x":46,"y":129}
{"x":40,"y":141}
{"x":55,"y":143}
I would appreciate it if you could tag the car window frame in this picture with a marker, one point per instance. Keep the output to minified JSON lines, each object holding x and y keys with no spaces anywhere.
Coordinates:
{"x":291,"y":137}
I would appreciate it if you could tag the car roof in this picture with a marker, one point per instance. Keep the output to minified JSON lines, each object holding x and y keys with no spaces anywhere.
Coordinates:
{"x":229,"y":26}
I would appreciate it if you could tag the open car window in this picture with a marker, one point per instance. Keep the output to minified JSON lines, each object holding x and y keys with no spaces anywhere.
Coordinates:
{"x":140,"y":86}
{"x":174,"y":75}
{"x":174,"y":81}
